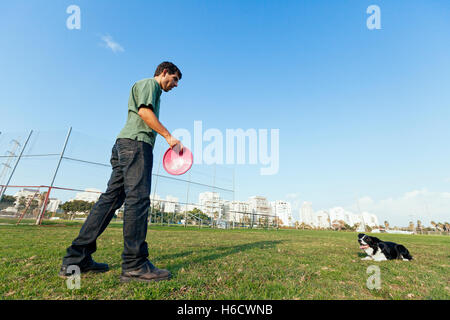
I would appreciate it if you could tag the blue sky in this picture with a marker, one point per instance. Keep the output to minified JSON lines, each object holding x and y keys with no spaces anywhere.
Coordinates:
{"x":362,"y":114}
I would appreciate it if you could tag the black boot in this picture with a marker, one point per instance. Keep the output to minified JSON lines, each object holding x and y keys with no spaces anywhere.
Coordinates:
{"x":92,"y":266}
{"x":147,"y":273}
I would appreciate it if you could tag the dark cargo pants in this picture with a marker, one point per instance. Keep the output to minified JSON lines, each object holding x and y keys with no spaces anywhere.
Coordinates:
{"x":130,"y":182}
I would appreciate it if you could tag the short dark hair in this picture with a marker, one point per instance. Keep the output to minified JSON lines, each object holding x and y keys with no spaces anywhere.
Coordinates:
{"x":170,"y":67}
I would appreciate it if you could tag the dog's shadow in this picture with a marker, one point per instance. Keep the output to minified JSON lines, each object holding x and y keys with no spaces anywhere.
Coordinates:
{"x":362,"y":255}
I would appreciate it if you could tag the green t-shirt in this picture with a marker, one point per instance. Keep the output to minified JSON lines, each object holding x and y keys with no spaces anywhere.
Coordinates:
{"x":144,"y":92}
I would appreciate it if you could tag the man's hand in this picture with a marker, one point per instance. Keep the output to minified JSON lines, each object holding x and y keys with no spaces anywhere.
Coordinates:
{"x":152,"y":121}
{"x":174,"y":144}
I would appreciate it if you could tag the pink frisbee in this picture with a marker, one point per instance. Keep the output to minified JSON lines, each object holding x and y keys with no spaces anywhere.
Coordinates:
{"x":177,"y":163}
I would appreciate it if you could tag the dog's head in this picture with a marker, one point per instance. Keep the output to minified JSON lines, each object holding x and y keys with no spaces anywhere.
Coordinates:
{"x":366,"y":241}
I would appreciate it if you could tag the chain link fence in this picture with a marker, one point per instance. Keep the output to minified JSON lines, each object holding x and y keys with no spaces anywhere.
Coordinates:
{"x":49,"y":175}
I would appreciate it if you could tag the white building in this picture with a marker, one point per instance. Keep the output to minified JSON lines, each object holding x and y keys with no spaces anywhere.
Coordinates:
{"x":282,"y":210}
{"x":53,"y":204}
{"x":88,"y":195}
{"x":171,"y":204}
{"x":260,"y":205}
{"x":323,"y":219}
{"x":235,"y":211}
{"x":261,"y":210}
{"x":210,"y":203}
{"x":307,"y":214}
{"x":26,"y":193}
{"x":339,"y":214}
{"x":156,"y":202}
{"x":369,"y":219}
{"x":364,"y":219}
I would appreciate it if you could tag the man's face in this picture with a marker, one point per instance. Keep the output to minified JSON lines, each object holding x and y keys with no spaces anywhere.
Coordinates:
{"x":169,"y":81}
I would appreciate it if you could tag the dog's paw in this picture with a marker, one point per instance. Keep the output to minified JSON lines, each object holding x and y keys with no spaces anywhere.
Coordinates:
{"x":367,"y":258}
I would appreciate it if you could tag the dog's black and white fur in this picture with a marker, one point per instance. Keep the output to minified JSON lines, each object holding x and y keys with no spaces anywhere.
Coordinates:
{"x":378,"y":250}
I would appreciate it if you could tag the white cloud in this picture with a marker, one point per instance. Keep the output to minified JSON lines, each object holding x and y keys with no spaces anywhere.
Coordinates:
{"x":365,"y":201}
{"x":445,"y":195}
{"x":293,"y":195}
{"x":414,"y":193}
{"x":108,"y":42}
{"x":413,"y":205}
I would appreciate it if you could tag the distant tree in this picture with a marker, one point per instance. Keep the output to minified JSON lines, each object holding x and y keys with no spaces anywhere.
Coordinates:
{"x":338,"y":225}
{"x":41,"y":198}
{"x":8,"y":199}
{"x":245,"y":219}
{"x":419,"y":225}
{"x":157,"y":215}
{"x":306,"y":226}
{"x":120,"y":214}
{"x":278,"y":222}
{"x":74,"y":206}
{"x":199,"y":214}
{"x":263,"y":220}
{"x":22,"y":202}
{"x":347,"y":227}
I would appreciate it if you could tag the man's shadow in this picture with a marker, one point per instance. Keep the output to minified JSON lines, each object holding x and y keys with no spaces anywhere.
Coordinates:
{"x":220,"y":252}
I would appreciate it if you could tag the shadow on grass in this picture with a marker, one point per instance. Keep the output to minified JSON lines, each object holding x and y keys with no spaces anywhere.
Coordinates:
{"x":220,"y":253}
{"x":362,"y":254}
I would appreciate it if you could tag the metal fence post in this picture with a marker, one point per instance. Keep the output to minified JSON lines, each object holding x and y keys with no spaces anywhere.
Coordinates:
{"x":234,"y":196}
{"x":187,"y":197}
{"x":154,"y":190}
{"x":44,"y":206}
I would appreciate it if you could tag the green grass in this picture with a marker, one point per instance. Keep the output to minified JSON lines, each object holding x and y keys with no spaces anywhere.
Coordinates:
{"x":224,"y":264}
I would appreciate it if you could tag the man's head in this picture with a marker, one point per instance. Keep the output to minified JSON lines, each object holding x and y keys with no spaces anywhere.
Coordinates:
{"x":167,"y":74}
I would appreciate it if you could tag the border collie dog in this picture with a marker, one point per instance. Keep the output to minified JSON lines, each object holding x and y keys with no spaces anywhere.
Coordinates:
{"x":378,"y":250}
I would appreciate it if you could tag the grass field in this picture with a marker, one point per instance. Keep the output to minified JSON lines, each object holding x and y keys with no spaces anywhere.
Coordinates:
{"x":224,"y":264}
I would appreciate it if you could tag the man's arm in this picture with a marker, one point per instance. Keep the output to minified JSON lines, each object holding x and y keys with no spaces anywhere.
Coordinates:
{"x":152,"y":121}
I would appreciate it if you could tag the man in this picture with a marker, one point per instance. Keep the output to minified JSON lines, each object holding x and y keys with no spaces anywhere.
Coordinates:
{"x":130,"y":183}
